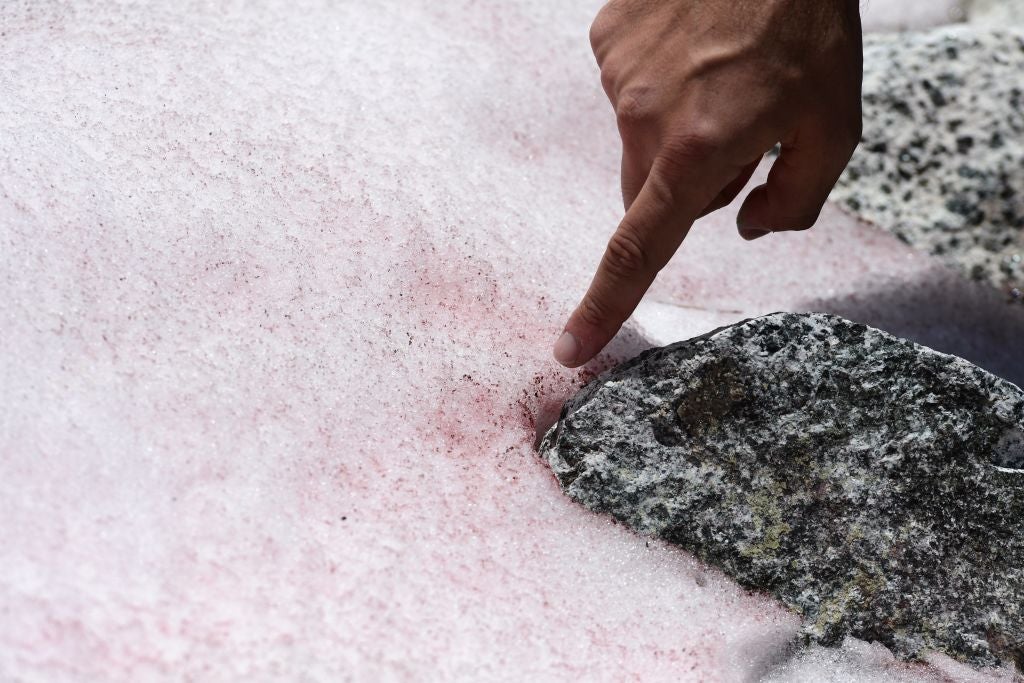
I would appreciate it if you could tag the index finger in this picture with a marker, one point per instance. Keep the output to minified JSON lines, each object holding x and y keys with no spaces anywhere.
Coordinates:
{"x":649,"y":234}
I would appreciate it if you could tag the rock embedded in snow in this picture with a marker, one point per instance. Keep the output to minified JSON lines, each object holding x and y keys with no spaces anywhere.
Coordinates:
{"x":941,"y":161}
{"x":871,"y":484}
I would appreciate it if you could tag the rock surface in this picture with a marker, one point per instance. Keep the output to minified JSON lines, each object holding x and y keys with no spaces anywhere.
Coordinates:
{"x":941,"y":162}
{"x":873,"y":485}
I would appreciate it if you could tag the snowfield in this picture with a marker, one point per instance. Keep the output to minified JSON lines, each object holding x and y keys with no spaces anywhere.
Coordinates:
{"x":278,"y":287}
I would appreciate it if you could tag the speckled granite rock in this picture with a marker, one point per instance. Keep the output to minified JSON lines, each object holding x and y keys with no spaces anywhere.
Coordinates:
{"x":873,"y":485}
{"x":941,"y":163}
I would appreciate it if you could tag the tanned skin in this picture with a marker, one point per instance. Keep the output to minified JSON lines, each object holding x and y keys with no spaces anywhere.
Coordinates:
{"x":701,"y":90}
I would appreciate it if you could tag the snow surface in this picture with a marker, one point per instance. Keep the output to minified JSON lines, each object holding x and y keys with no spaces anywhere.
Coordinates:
{"x":279,"y":284}
{"x":900,"y":15}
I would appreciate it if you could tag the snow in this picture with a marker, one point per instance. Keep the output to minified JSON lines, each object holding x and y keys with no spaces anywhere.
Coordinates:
{"x":893,"y":15}
{"x":279,"y":284}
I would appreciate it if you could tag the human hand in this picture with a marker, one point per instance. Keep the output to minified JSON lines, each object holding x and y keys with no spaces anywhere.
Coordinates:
{"x":701,"y":90}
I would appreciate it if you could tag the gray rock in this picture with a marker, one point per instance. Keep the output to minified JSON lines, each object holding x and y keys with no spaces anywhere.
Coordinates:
{"x":941,"y":162}
{"x":871,"y":484}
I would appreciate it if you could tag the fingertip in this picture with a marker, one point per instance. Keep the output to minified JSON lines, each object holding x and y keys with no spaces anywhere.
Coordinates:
{"x":567,"y":350}
{"x":751,"y":234}
{"x":580,"y":341}
{"x":750,"y":221}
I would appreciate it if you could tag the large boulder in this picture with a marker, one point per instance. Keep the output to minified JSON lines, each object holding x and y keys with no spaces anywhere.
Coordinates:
{"x":871,"y":484}
{"x":941,"y":161}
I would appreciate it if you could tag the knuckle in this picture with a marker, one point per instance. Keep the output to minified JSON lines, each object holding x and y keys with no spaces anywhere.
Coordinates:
{"x":625,"y":256}
{"x":632,"y":108}
{"x":593,"y":312}
{"x":604,"y":26}
{"x":599,"y":31}
{"x":689,"y":147}
{"x":681,"y":153}
{"x":660,"y":195}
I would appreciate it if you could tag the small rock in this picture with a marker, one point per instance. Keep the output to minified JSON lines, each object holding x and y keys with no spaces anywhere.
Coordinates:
{"x":871,"y":484}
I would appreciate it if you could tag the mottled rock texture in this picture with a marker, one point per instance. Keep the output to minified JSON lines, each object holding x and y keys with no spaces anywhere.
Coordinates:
{"x":941,"y":162}
{"x":871,"y":484}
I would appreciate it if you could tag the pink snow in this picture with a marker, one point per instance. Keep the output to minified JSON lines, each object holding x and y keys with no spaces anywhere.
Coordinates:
{"x":279,"y":289}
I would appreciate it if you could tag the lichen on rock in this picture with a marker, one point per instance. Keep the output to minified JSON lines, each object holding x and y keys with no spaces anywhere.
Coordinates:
{"x":871,"y":484}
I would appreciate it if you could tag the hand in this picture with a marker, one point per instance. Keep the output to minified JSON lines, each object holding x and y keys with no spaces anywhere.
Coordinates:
{"x":701,"y":90}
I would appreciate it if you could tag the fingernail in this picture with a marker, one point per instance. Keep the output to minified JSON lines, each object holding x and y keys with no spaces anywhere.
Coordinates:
{"x":750,"y":234}
{"x":567,"y":349}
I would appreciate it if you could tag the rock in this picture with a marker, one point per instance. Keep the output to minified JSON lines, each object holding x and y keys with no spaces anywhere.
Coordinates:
{"x":871,"y":484}
{"x":941,"y":161}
